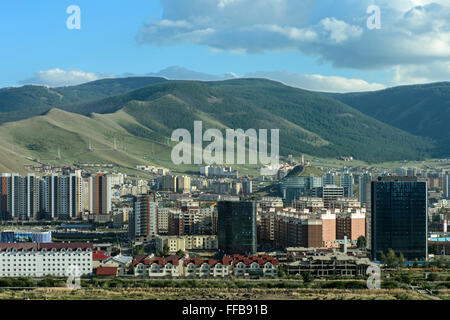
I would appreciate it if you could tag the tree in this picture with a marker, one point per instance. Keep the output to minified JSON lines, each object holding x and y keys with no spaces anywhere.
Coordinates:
{"x":180,"y":253}
{"x":139,"y":250}
{"x":164,"y":252}
{"x":361,"y":242}
{"x":441,"y":262}
{"x":390,"y":259}
{"x":307,"y":276}
{"x":432,"y":276}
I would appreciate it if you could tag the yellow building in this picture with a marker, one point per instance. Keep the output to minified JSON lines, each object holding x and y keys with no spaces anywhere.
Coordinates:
{"x":186,"y":243}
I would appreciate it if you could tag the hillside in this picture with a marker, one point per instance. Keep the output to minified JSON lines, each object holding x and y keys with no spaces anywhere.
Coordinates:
{"x":423,"y":110}
{"x":304,"y":171}
{"x":141,"y":122}
{"x":309,"y":122}
{"x":40,"y":138}
{"x":30,"y":100}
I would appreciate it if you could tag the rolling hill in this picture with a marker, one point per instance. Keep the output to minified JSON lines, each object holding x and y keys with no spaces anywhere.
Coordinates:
{"x":17,"y":103}
{"x":142,"y":120}
{"x":423,"y":110}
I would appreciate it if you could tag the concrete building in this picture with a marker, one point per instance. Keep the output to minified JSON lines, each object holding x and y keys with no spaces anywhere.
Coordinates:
{"x":364,"y":189}
{"x":446,"y":185}
{"x":183,"y":184}
{"x":168,"y":183}
{"x":312,"y":232}
{"x":44,"y":259}
{"x":100,"y":193}
{"x":186,"y":243}
{"x":144,"y":223}
{"x":328,"y":193}
{"x":351,"y":224}
{"x":329,"y":264}
{"x":346,"y":182}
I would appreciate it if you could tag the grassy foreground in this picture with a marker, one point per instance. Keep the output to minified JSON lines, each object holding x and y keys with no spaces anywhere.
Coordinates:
{"x":214,"y":294}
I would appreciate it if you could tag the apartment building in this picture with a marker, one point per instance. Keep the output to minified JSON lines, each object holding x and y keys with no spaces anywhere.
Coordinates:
{"x":186,"y":243}
{"x":44,"y":259}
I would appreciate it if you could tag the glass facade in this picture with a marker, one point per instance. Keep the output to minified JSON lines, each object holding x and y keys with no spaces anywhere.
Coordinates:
{"x":399,"y":217}
{"x":237,"y":227}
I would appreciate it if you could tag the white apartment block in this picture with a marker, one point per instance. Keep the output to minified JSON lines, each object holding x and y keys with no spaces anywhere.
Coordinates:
{"x":40,"y":260}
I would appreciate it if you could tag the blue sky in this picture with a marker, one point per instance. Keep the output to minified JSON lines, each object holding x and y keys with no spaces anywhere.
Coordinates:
{"x":314,"y":44}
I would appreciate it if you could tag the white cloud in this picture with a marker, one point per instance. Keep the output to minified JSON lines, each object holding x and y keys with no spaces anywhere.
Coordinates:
{"x":339,"y":31}
{"x":316,"y":82}
{"x":58,"y":77}
{"x":413,"y":32}
{"x":432,"y":72}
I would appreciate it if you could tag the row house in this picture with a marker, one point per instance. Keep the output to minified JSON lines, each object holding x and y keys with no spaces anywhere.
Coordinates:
{"x":228,"y":266}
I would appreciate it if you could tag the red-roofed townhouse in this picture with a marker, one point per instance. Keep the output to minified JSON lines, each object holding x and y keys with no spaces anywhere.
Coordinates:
{"x":107,"y":271}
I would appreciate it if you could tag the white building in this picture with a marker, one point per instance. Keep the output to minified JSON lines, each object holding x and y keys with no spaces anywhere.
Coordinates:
{"x":44,"y":259}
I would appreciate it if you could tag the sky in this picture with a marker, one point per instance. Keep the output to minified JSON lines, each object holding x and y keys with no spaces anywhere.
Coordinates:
{"x":323,"y":45}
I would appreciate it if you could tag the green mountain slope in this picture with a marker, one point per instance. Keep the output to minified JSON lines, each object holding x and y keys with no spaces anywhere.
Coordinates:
{"x":309,"y":122}
{"x":140,"y":123}
{"x":423,"y":110}
{"x":40,"y":138}
{"x":24,"y":102}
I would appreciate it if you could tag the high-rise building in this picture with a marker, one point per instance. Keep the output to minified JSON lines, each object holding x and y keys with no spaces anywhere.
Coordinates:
{"x":350,"y":224}
{"x":51,"y":195}
{"x":144,"y":225}
{"x":69,"y":198}
{"x":329,"y":194}
{"x":346,"y":181}
{"x":287,"y":230}
{"x":247,"y":186}
{"x":399,"y":217}
{"x":183,"y":184}
{"x":328,"y":178}
{"x":33,"y":196}
{"x":364,"y":188}
{"x":446,"y":186}
{"x":168,"y":183}
{"x":237,"y":227}
{"x":312,"y":233}
{"x":100,"y":194}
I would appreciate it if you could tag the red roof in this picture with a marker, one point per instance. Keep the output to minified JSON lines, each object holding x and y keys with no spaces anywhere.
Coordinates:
{"x":106,"y":271}
{"x":249,"y":259}
{"x":47,"y":246}
{"x":226,"y":260}
{"x":99,"y":255}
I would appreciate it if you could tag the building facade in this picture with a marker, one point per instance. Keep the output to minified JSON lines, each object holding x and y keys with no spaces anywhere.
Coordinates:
{"x":237,"y":227}
{"x":399,"y":217}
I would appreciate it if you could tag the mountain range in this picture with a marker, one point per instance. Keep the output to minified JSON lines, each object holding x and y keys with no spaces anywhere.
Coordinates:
{"x":129,"y":120}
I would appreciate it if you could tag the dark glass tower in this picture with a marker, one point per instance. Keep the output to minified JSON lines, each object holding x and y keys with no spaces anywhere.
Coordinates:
{"x":399,"y":217}
{"x":237,"y":227}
